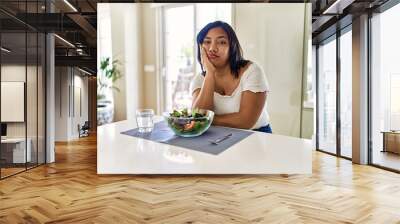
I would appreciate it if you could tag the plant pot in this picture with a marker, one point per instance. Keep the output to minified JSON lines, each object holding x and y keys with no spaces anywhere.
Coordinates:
{"x":105,"y":112}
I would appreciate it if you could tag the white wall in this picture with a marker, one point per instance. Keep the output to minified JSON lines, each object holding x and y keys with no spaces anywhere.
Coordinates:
{"x":307,"y":116}
{"x":273,"y":36}
{"x":81,"y":103}
{"x":126,"y":48}
{"x":12,"y":73}
{"x":17,"y":73}
{"x":13,"y":100}
{"x":70,"y":83}
{"x":33,"y":127}
{"x":80,"y":109}
{"x":133,"y":59}
{"x":61,"y":103}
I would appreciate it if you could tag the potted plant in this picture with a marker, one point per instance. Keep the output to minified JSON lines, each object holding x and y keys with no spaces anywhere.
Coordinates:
{"x":105,"y":86}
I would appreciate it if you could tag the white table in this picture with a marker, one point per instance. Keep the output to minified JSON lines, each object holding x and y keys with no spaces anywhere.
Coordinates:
{"x":18,"y":149}
{"x":260,"y":153}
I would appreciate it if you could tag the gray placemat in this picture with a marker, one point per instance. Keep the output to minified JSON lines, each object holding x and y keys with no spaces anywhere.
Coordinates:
{"x":163,"y":134}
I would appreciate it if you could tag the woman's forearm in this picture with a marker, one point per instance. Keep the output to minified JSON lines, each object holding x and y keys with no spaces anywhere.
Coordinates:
{"x":233,"y":120}
{"x":205,"y":99}
{"x":251,"y":107}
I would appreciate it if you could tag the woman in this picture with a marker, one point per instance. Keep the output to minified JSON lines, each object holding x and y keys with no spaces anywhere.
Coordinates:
{"x":234,"y":88}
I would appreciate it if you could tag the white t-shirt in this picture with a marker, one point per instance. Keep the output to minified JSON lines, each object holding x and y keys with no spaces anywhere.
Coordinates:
{"x":253,"y":79}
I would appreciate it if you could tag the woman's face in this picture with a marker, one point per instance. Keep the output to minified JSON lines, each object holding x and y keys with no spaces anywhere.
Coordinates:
{"x":216,"y":44}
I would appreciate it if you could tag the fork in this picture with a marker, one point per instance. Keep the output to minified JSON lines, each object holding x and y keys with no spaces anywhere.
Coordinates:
{"x":219,"y":140}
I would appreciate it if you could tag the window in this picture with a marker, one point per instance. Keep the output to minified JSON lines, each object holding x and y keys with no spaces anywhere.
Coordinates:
{"x":104,"y":46}
{"x":181,"y":25}
{"x":327,"y":95}
{"x":394,"y":101}
{"x":22,"y":74}
{"x":385,"y":87}
{"x":335,"y":74}
{"x":346,"y":93}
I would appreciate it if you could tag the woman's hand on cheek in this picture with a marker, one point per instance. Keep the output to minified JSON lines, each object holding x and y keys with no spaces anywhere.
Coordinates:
{"x":208,"y":66}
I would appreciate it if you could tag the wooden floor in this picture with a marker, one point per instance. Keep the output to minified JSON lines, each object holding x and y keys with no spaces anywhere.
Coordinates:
{"x":8,"y":171}
{"x":387,"y":159}
{"x":70,"y":191}
{"x":5,"y":172}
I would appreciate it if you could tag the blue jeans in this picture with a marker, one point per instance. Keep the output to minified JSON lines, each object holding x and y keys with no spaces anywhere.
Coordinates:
{"x":266,"y":129}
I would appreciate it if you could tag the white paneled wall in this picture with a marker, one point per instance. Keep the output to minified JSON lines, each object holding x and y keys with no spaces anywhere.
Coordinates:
{"x":124,"y":23}
{"x":16,"y":73}
{"x":71,"y":102}
{"x":33,"y":126}
{"x":273,"y":36}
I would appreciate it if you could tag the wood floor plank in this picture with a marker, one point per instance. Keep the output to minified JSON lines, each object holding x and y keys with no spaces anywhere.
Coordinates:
{"x":70,"y":191}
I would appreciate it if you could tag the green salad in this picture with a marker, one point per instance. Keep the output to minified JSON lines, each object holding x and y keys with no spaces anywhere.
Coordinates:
{"x":185,"y":122}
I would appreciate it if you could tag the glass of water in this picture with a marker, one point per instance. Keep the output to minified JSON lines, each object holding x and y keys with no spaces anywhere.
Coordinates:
{"x":144,"y":120}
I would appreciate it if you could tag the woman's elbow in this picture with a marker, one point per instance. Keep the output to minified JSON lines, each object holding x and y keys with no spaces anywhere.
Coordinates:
{"x":200,"y":105}
{"x":247,"y":123}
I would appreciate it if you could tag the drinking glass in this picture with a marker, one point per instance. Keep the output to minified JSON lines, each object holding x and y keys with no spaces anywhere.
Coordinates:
{"x":144,"y":120}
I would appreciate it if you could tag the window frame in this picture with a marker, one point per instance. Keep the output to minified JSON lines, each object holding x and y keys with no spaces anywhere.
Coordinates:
{"x":379,"y":10}
{"x":162,"y":72}
{"x":40,"y":59}
{"x":334,"y":37}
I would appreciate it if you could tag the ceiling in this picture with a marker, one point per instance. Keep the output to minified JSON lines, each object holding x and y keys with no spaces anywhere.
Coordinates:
{"x":328,"y":16}
{"x":74,"y":22}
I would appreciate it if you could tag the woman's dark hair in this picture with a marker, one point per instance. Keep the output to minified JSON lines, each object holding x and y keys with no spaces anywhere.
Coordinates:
{"x":236,"y":60}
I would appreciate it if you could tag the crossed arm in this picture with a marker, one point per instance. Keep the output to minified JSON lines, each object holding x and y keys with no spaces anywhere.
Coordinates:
{"x":251,"y":106}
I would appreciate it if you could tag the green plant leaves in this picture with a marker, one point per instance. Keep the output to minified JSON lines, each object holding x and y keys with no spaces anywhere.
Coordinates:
{"x":110,"y":72}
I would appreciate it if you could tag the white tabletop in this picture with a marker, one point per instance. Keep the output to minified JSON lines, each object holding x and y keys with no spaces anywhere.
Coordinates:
{"x":260,"y":153}
{"x":14,"y":140}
